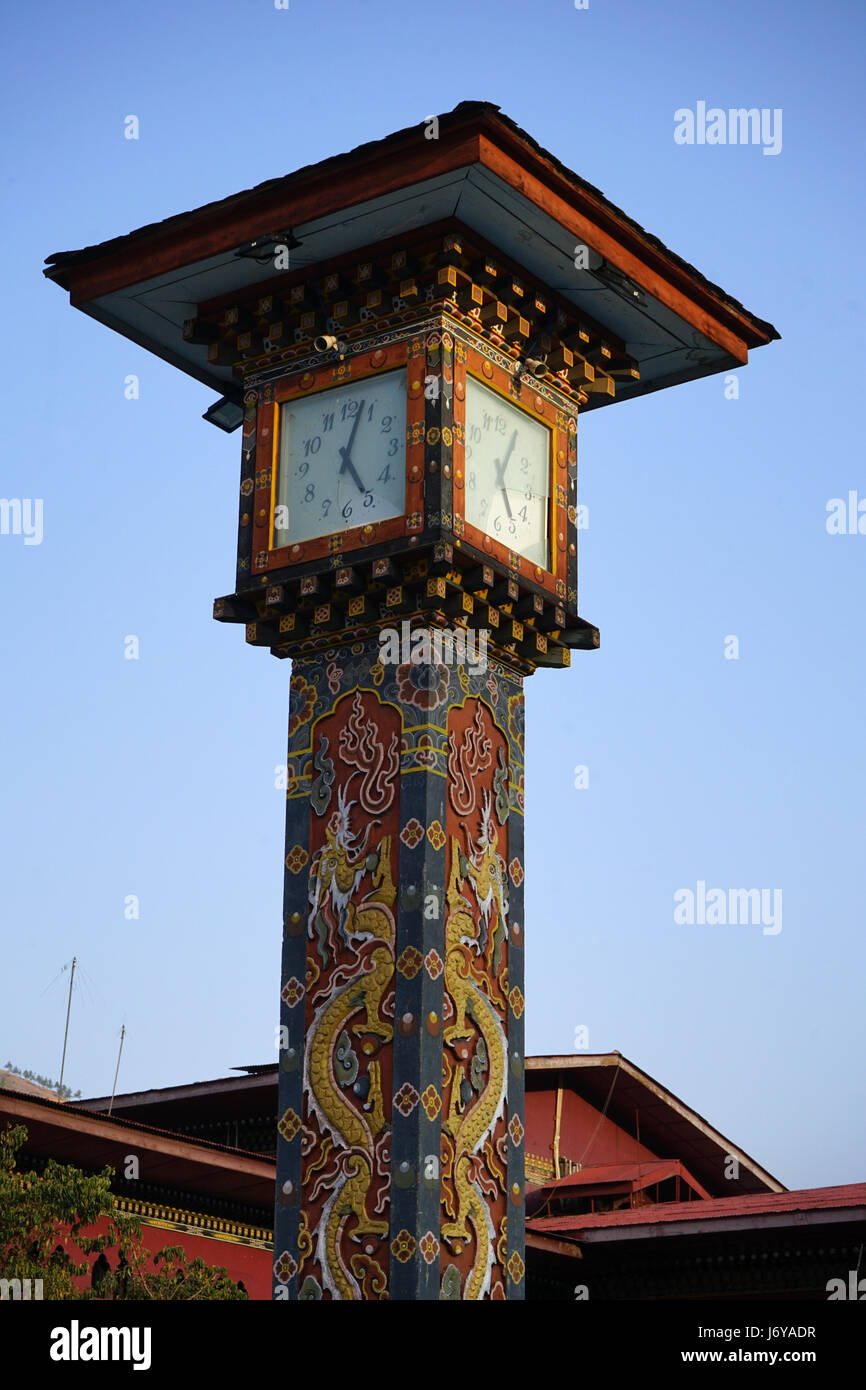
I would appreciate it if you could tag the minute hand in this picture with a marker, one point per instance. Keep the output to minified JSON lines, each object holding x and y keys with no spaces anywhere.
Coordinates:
{"x":347,"y":464}
{"x":500,"y":470}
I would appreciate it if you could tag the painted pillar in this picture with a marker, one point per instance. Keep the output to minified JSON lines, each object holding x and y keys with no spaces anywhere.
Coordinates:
{"x":400,"y":1169}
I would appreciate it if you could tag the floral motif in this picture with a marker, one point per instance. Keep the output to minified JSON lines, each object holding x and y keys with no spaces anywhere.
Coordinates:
{"x":515,"y":872}
{"x":412,"y":833}
{"x":436,"y":835}
{"x":432,"y":1102}
{"x":492,"y":686}
{"x":516,"y":1001}
{"x":377,"y":671}
{"x":516,"y":1268}
{"x":334,"y":673}
{"x":515,"y":1129}
{"x":423,"y":684}
{"x":296,"y":859}
{"x":285,"y":1267}
{"x":302,"y":702}
{"x":410,"y":962}
{"x":292,"y":992}
{"x":429,"y":1247}
{"x":433,"y":964}
{"x":403,"y":1246}
{"x":406,"y":1099}
{"x":289,"y":1125}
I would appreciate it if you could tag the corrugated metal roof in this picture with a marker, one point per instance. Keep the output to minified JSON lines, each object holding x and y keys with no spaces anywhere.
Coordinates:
{"x":850,"y":1195}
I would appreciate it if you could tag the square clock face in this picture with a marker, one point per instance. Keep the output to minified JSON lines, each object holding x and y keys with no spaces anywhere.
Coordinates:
{"x":341,"y":459}
{"x":507,"y":468}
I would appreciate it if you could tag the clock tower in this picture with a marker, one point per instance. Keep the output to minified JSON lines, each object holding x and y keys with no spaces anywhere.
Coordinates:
{"x":406,"y":336}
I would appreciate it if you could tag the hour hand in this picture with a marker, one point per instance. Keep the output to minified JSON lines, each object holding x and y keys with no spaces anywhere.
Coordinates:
{"x":347,"y":466}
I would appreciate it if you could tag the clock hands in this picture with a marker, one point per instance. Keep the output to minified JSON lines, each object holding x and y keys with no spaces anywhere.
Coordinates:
{"x":347,"y":464}
{"x":500,"y":472}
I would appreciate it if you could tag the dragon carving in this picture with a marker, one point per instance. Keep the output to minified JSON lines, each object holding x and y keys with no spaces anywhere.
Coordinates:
{"x":354,"y":933}
{"x":471,"y":1119}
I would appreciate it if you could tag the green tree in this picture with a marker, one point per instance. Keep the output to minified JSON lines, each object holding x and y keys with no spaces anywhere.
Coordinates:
{"x":38,"y":1210}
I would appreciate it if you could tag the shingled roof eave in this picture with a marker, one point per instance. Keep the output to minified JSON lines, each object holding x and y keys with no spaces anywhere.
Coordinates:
{"x":482,"y":115}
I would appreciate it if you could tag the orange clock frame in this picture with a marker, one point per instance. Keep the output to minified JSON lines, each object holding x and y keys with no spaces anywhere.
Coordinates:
{"x":407,"y":352}
{"x":500,"y":381}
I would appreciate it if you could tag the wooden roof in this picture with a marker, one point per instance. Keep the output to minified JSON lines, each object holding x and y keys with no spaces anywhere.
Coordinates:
{"x":483,"y":172}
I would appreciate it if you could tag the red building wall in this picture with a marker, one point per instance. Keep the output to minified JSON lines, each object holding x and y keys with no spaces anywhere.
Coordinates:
{"x":578,"y":1121}
{"x":244,"y":1263}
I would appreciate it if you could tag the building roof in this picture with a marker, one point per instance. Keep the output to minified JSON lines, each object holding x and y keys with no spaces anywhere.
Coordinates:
{"x":482,"y":172}
{"x":623,"y":1177}
{"x":224,"y":1097}
{"x":669,"y":1127}
{"x":612,"y":1084}
{"x":72,"y":1134}
{"x":809,"y":1206}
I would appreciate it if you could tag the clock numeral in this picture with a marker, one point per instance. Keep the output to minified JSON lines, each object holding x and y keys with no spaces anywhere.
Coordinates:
{"x":475,"y":433}
{"x":347,"y":511}
{"x":522,"y":514}
{"x":368,"y":499}
{"x":326,"y":505}
{"x":328,"y":421}
{"x":310,"y":492}
{"x":370,"y":411}
{"x":524,"y":465}
{"x":387,"y":422}
{"x":497,"y":523}
{"x":385,"y":475}
{"x":349,"y":410}
{"x":303,"y":470}
{"x":312,"y":446}
{"x":483,"y":507}
{"x":470,"y":481}
{"x":394,"y":446}
{"x":512,"y":527}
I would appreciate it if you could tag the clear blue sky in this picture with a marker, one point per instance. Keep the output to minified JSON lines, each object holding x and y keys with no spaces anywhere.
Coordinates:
{"x":707,"y":519}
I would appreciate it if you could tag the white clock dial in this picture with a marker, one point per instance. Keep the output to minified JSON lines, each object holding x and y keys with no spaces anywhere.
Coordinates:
{"x":507,"y":473}
{"x":342,"y":459}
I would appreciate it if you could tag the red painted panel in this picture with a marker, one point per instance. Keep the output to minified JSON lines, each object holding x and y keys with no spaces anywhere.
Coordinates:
{"x":609,"y":1143}
{"x":244,"y":1263}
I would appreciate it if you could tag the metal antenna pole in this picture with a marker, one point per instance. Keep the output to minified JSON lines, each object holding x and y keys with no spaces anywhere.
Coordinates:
{"x":117,"y":1070}
{"x":66,"y":1033}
